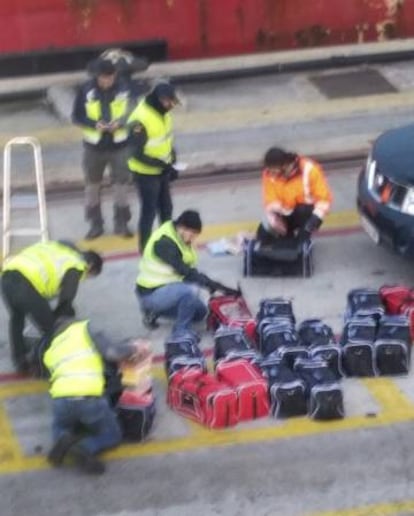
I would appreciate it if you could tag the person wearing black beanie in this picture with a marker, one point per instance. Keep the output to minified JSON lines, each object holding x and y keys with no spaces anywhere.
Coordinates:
{"x":168,"y":278}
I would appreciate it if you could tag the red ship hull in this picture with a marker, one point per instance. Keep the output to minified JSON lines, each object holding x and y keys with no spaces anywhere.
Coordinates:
{"x":201,"y":28}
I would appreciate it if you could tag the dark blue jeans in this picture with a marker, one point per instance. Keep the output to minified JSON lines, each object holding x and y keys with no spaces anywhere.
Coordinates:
{"x":95,"y":417}
{"x":155,"y":199}
{"x":178,"y":301}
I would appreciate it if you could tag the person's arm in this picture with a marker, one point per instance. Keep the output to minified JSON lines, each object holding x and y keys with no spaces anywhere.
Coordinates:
{"x":67,"y":293}
{"x":271,"y":200}
{"x":138,"y":140}
{"x":168,"y":252}
{"x":113,"y":352}
{"x":320,"y":191}
{"x":79,"y":116}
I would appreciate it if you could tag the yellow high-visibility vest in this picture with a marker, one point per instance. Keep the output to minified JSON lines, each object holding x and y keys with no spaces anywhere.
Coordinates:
{"x":44,"y":265}
{"x":160,"y":139}
{"x":76,"y":368}
{"x":153,"y":272}
{"x":118,"y":109}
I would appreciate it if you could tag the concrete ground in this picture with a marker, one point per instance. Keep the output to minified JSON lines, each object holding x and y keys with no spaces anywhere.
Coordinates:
{"x":359,"y":466}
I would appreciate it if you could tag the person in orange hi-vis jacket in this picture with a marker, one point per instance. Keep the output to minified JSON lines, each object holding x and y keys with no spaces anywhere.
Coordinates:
{"x":296,"y":196}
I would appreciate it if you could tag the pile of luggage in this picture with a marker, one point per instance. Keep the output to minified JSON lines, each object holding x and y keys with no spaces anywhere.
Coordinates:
{"x":376,"y":338}
{"x":269,"y":364}
{"x":279,"y":369}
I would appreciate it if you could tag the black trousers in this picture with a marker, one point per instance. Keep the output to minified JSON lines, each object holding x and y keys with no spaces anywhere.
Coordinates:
{"x":23,"y":300}
{"x":296,"y":220}
{"x":155,"y":199}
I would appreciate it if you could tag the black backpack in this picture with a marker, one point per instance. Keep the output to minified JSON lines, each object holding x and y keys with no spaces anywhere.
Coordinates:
{"x":324,"y":391}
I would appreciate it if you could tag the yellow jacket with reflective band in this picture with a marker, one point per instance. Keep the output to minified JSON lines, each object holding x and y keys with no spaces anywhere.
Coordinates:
{"x":153,"y":272}
{"x":159,"y":138}
{"x":45,"y":264}
{"x":76,"y":368}
{"x":118,"y":108}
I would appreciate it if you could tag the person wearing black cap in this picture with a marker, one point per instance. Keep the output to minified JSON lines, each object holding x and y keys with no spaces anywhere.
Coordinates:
{"x":101,"y":109}
{"x":153,"y":156}
{"x":167,"y":279}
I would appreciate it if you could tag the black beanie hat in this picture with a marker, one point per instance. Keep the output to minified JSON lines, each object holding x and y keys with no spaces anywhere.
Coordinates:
{"x":190,"y":219}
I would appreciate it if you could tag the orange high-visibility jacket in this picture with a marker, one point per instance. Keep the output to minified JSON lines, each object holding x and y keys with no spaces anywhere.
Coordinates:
{"x":308,"y":186}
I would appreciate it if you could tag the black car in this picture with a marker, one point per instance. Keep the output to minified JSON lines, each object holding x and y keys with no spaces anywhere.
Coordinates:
{"x":386,"y":191}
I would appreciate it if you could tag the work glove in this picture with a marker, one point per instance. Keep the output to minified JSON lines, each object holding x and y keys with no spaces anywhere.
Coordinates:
{"x":64,"y":310}
{"x":215,"y":286}
{"x":312,"y":224}
{"x":170,"y":172}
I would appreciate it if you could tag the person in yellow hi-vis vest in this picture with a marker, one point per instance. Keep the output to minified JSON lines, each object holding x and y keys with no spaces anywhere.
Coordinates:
{"x":101,"y":109}
{"x":153,"y":157}
{"x":168,"y":281}
{"x":36,"y":275}
{"x":84,"y":422}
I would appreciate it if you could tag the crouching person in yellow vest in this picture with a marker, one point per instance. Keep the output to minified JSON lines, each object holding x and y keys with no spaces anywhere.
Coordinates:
{"x":36,"y":275}
{"x":84,"y":423}
{"x":168,"y":281}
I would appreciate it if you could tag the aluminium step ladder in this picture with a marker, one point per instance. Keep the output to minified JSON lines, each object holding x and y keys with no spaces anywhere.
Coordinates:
{"x":23,"y":201}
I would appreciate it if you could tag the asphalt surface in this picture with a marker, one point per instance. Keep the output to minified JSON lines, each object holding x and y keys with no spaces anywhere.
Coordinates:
{"x":359,"y":466}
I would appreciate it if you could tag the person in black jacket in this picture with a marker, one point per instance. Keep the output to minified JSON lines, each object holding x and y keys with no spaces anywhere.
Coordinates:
{"x":36,"y":275}
{"x":101,"y":109}
{"x":168,"y":281}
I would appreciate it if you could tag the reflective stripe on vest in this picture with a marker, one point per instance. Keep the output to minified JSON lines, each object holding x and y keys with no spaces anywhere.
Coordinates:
{"x":45,"y":264}
{"x":153,"y":272}
{"x":76,"y":368}
{"x":321,"y":208}
{"x":118,"y":109}
{"x":159,"y":142}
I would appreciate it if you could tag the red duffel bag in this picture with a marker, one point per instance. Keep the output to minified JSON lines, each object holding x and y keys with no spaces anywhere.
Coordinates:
{"x":399,"y":300}
{"x":251,"y":387}
{"x":231,"y":311}
{"x":203,"y":398}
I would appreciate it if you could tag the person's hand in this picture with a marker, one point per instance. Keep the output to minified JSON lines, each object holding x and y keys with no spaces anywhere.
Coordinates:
{"x":215,"y":286}
{"x":113,"y":126}
{"x":101,"y":126}
{"x":232,"y":292}
{"x":171,"y":172}
{"x":141,"y":351}
{"x":312,"y":224}
{"x":303,"y":235}
{"x":64,"y":311}
{"x":277,"y":223}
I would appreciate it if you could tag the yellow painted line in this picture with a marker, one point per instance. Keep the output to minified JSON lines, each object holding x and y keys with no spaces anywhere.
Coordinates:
{"x":395,"y":407}
{"x":108,"y":244}
{"x":10,"y":452}
{"x":22,"y":388}
{"x":383,"y":509}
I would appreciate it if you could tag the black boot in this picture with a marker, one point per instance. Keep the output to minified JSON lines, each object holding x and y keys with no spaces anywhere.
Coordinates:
{"x":94,"y":215}
{"x":85,"y":461}
{"x":122,"y":214}
{"x":59,"y":449}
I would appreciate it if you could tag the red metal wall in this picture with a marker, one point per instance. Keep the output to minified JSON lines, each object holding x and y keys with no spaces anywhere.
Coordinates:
{"x":197,"y":28}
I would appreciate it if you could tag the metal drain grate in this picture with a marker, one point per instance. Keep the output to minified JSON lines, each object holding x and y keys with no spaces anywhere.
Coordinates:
{"x":352,"y":84}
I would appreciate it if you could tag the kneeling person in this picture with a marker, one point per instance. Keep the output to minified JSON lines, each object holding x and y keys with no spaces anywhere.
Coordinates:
{"x":167,"y":282}
{"x":84,"y":423}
